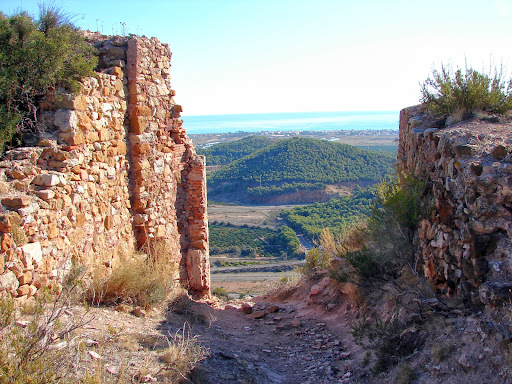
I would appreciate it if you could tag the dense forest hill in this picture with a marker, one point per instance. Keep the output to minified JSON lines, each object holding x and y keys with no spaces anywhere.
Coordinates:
{"x":306,"y":160}
{"x":225,"y":153}
{"x":298,"y":164}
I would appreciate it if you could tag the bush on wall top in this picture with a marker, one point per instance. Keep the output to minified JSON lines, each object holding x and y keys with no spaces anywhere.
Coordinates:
{"x":466,"y":91}
{"x":37,"y":55}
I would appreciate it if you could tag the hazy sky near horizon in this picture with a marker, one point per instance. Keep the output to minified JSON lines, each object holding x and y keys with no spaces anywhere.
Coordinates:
{"x":242,"y":56}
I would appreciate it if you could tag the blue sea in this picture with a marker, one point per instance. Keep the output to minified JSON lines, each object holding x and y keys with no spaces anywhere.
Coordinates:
{"x":302,"y":121}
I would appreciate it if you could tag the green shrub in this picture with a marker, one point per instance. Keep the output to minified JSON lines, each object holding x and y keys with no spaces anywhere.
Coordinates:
{"x":221,"y":293}
{"x":36,"y":56}
{"x":464,"y":92}
{"x":378,"y":250}
{"x":316,"y":260}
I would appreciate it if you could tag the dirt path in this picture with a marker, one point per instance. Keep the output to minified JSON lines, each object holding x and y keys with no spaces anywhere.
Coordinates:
{"x":284,"y":346}
{"x":280,"y":342}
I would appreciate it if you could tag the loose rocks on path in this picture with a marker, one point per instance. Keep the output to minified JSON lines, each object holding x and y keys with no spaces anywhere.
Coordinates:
{"x":272,"y":344}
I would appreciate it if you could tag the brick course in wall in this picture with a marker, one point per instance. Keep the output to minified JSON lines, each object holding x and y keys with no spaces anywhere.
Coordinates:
{"x":116,"y":172}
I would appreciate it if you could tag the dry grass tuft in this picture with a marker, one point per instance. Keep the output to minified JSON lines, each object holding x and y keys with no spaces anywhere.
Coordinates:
{"x":192,"y":311}
{"x":33,"y":349}
{"x":139,"y":279}
{"x":182,"y":355}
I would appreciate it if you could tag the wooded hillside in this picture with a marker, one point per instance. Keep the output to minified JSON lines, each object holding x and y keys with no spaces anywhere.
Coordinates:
{"x":305,"y":160}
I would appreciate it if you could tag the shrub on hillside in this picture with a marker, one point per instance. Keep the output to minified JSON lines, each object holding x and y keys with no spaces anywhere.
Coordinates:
{"x":36,"y":56}
{"x":380,"y":249}
{"x":464,"y":92}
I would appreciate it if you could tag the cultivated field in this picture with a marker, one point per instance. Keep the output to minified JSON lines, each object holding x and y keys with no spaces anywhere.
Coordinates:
{"x":252,"y":215}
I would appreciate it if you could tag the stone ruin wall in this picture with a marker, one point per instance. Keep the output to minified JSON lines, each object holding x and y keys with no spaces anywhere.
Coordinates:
{"x":466,"y":241}
{"x":116,"y":172}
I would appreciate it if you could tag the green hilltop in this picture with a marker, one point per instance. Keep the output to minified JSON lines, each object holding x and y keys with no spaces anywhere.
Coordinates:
{"x":305,"y":160}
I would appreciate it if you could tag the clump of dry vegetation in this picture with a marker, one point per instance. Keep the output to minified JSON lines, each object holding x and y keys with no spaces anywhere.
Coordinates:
{"x":192,"y":312}
{"x":53,"y":340}
{"x":138,"y":279}
{"x":34,"y":348}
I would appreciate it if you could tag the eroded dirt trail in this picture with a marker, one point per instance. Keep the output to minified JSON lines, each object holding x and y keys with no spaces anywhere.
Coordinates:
{"x":277,"y":343}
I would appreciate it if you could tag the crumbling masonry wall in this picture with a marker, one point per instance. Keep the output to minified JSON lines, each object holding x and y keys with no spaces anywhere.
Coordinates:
{"x":466,"y":241}
{"x":116,"y":172}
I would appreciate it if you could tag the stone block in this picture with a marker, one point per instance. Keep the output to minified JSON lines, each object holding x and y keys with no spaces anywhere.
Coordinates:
{"x":45,"y":194}
{"x":118,"y":72}
{"x":16,"y":202}
{"x":103,"y":134}
{"x":143,"y":110}
{"x":92,"y":137}
{"x":138,"y":125}
{"x":46,"y":180}
{"x":23,"y":290}
{"x":33,"y":252}
{"x":109,"y":222}
{"x":17,"y":174}
{"x":25,"y":278}
{"x":5,"y":242}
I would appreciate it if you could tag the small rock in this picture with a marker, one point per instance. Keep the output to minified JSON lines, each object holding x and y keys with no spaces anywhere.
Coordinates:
{"x":464,"y":361}
{"x":295,"y":323}
{"x":149,"y":379}
{"x":266,"y":350}
{"x":113,"y":370}
{"x":22,"y":323}
{"x":139,"y":312}
{"x":94,"y":355}
{"x":230,"y":307}
{"x":246,"y":308}
{"x":124,"y":308}
{"x":273,"y":309}
{"x":500,"y":152}
{"x":226,"y":355}
{"x":257,"y":315}
{"x":90,"y":342}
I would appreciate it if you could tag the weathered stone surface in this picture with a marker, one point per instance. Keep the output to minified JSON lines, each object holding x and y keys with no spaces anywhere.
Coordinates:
{"x":466,"y":241}
{"x":65,"y":119}
{"x":46,"y":180}
{"x":32,"y":253}
{"x":16,"y":202}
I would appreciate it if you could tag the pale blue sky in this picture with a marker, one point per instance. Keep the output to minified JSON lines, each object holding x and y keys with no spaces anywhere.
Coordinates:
{"x":242,"y":56}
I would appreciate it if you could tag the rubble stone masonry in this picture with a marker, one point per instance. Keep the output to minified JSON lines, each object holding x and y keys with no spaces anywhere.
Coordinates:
{"x":465,"y":242}
{"x":116,"y":172}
